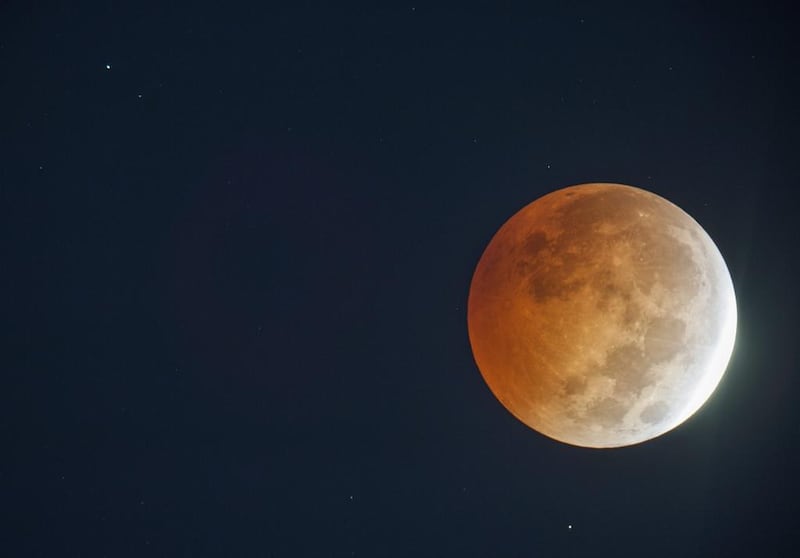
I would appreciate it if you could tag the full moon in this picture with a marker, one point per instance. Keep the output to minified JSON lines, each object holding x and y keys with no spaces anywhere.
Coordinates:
{"x":602,"y":315}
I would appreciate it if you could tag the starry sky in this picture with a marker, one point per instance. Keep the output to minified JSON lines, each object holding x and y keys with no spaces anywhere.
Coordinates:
{"x":237,"y":246}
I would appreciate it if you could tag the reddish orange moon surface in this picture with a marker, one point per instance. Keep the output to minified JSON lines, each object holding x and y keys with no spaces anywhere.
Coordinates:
{"x":602,"y":315}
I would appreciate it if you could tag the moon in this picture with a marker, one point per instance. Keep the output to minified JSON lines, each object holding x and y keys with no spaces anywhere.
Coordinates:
{"x":602,"y":315}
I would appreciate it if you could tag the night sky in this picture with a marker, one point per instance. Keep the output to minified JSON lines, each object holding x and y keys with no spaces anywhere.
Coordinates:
{"x":236,"y":252}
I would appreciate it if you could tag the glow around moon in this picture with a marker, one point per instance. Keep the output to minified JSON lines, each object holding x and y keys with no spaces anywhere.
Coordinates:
{"x":602,"y":315}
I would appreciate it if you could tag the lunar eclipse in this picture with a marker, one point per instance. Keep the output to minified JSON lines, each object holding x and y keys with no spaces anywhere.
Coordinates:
{"x":602,"y":315}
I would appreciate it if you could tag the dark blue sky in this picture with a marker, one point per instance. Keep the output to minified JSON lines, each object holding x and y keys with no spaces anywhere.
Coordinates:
{"x":237,"y":245}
